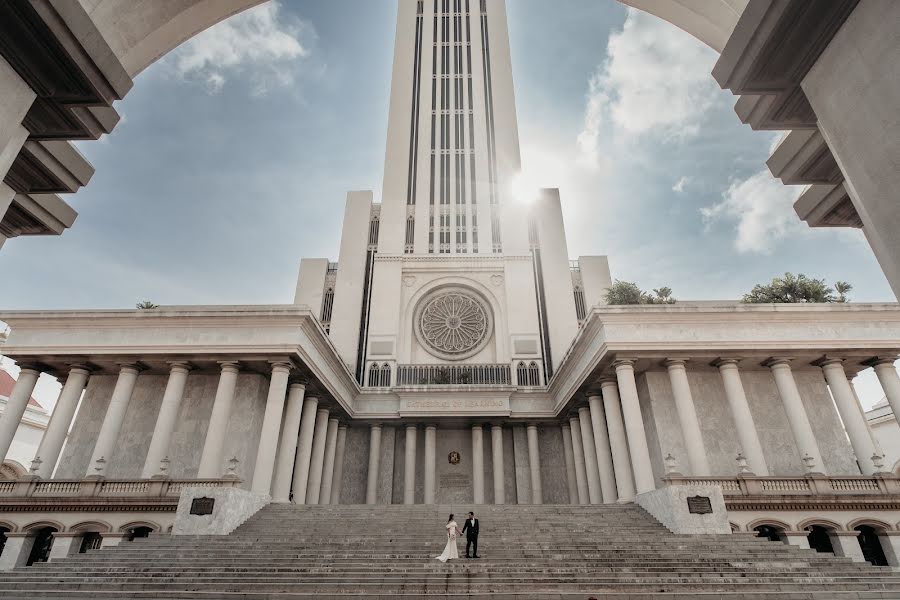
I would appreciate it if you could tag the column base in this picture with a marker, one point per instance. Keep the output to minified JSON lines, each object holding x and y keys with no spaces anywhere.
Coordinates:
{"x":846,"y":544}
{"x":16,"y":551}
{"x":797,"y":538}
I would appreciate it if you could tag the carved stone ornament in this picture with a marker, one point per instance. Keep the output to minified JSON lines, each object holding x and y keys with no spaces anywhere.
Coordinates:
{"x":453,"y":458}
{"x":453,"y":323}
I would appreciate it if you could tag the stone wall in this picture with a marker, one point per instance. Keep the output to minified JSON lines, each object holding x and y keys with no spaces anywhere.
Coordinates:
{"x":718,"y":429}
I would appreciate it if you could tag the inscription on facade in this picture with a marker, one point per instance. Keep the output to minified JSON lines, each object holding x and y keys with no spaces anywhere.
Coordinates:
{"x":202,"y":506}
{"x":699,"y":505}
{"x":450,"y":481}
{"x":455,"y":403}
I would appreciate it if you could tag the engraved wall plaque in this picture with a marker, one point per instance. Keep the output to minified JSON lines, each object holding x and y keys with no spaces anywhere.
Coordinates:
{"x":699,"y":505}
{"x":202,"y":506}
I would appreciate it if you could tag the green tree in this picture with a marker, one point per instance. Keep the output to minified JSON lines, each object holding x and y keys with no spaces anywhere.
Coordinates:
{"x":146,"y":304}
{"x":842,"y":288}
{"x":796,"y":288}
{"x":624,"y":292}
{"x":627,"y":292}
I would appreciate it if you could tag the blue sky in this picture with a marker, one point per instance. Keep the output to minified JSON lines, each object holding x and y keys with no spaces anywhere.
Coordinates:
{"x":235,"y":152}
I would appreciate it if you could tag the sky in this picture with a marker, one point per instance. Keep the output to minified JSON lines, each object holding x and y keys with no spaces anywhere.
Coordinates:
{"x":235,"y":152}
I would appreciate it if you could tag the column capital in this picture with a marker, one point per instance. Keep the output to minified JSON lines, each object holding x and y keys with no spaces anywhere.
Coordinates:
{"x":531,"y":426}
{"x":297,"y":386}
{"x":130,"y":367}
{"x":81,"y":368}
{"x":30,"y":368}
{"x":412,"y":426}
{"x":565,"y":425}
{"x":335,"y":419}
{"x":375,"y":426}
{"x":828,"y":361}
{"x":584,"y":409}
{"x":605,"y":382}
{"x":624,"y":363}
{"x":675,"y":363}
{"x":342,"y":425}
{"x":880,"y":361}
{"x":477,"y":426}
{"x":594,"y":393}
{"x":725,"y":363}
{"x":179,"y":366}
{"x":283,"y":365}
{"x":778,"y":361}
{"x":229,"y":366}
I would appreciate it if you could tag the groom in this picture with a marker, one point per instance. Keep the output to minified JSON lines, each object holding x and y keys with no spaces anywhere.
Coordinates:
{"x":471,"y":531}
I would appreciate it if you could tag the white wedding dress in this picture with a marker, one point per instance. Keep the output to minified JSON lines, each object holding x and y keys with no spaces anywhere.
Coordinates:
{"x":450,"y":550}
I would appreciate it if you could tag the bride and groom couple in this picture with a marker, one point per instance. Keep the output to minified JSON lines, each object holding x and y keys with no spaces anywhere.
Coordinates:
{"x":470,"y":528}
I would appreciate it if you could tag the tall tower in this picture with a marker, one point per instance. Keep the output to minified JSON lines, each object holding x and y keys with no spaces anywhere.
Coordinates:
{"x":453,"y":142}
{"x":451,"y":272}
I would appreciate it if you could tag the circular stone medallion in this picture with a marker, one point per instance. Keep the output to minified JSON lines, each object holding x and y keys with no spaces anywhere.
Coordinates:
{"x":453,"y":324}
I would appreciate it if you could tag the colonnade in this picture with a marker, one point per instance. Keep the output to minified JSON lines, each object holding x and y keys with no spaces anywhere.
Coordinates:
{"x":605,"y":445}
{"x":304,"y":461}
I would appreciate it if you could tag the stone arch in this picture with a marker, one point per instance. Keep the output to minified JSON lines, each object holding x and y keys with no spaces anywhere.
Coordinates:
{"x":38,"y":525}
{"x":10,"y":469}
{"x":140,"y":32}
{"x":735,"y":528}
{"x":877,"y":525}
{"x":770,"y":522}
{"x":92,"y":526}
{"x":9,"y":526}
{"x":826,"y":523}
{"x":136,"y":524}
{"x":710,"y":21}
{"x":896,"y":468}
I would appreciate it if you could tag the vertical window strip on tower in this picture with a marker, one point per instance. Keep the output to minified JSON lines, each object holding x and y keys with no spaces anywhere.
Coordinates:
{"x":374,"y":223}
{"x":414,"y":119}
{"x":541,"y":297}
{"x":580,"y":308}
{"x":489,"y":116}
{"x":434,"y":79}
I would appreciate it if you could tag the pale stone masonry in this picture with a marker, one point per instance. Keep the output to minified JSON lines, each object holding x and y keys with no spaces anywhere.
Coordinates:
{"x":455,"y":355}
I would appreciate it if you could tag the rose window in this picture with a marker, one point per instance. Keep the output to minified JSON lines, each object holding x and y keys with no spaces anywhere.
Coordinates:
{"x":454,"y":324}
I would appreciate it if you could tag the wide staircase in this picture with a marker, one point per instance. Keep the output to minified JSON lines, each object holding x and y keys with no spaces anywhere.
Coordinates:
{"x":381,"y":552}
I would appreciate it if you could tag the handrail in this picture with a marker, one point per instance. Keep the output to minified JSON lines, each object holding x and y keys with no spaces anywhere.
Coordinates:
{"x":93,"y":487}
{"x":468,"y":374}
{"x":812,"y":484}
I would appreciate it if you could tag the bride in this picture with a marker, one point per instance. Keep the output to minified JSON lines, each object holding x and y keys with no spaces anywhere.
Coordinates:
{"x":450,"y":550}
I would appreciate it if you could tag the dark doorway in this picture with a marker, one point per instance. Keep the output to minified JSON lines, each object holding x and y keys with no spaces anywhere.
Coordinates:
{"x":770,"y":532}
{"x":3,"y":532}
{"x":90,"y":541}
{"x":871,"y":545}
{"x":139,"y":532}
{"x":819,"y":539}
{"x":40,"y":550}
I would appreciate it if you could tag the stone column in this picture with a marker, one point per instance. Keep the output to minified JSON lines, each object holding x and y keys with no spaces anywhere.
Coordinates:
{"x":570,"y":463}
{"x":15,"y":552}
{"x":268,"y":440}
{"x":797,"y":538}
{"x":890,"y":543}
{"x":687,"y":416}
{"x":595,"y":492}
{"x":887,"y":376}
{"x":287,"y":445}
{"x":430,"y":462}
{"x":328,"y":468}
{"x":478,"y":464}
{"x":634,"y":427}
{"x":338,"y":479}
{"x":304,"y":450}
{"x":854,"y":422}
{"x":16,"y":405}
{"x":317,"y":457}
{"x":61,"y":420}
{"x":115,"y":416}
{"x":497,"y":456}
{"x":862,"y":413}
{"x":846,"y":544}
{"x":534,"y":464}
{"x":743,"y":418}
{"x":65,"y":545}
{"x":601,"y":444}
{"x":374,"y":458}
{"x":166,"y":419}
{"x":793,"y":406}
{"x":618,"y":443}
{"x":212,"y":459}
{"x":409,"y":466}
{"x":584,"y":496}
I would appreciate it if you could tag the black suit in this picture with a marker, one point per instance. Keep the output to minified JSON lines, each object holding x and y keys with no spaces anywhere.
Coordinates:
{"x":471,"y":532}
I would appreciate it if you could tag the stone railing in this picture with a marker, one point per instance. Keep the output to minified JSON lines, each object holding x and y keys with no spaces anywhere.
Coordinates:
{"x":414,"y":375}
{"x":106,"y":488}
{"x":802,"y":485}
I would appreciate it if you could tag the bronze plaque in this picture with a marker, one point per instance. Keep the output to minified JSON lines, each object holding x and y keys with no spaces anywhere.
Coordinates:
{"x":202,"y":506}
{"x":453,"y":458}
{"x":699,"y":505}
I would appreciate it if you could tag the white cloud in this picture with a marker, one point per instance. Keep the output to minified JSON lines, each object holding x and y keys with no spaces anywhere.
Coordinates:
{"x":260,"y":43}
{"x":763,"y":209}
{"x":656,"y":78}
{"x":682,"y":181}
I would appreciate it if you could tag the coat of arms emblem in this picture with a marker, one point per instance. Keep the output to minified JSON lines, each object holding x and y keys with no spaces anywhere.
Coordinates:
{"x":453,"y":458}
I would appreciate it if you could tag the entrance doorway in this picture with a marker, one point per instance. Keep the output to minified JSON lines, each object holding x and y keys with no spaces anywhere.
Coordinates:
{"x":871,"y":545}
{"x":40,"y":549}
{"x":819,"y":539}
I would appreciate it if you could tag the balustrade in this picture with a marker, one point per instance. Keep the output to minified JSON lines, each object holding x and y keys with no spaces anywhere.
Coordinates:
{"x":484,"y":374}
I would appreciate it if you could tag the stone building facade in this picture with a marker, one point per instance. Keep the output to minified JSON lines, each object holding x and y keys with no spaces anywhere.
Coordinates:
{"x":454,"y":355}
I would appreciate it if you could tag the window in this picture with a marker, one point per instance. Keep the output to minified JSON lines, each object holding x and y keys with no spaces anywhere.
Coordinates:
{"x":580,"y":309}
{"x":528,"y":375}
{"x":327,"y":305}
{"x":410,"y":234}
